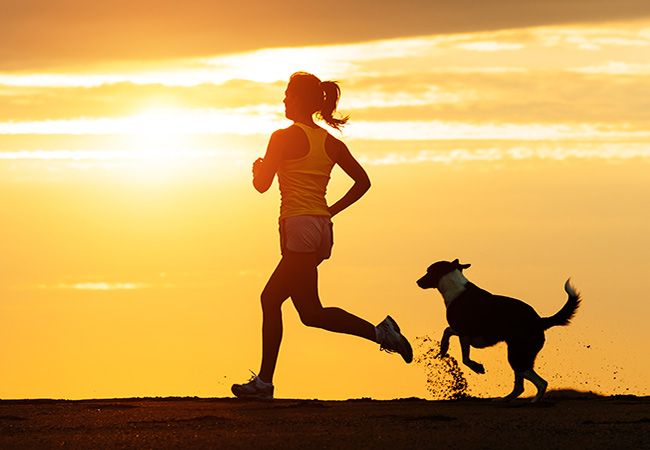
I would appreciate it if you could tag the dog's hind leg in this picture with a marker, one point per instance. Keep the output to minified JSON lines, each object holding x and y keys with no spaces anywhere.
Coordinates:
{"x":465,"y":342}
{"x":538,"y":381}
{"x":521,"y":356}
{"x":516,"y":391}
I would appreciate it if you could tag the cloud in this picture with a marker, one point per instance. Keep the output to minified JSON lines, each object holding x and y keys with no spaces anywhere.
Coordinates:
{"x":77,"y":32}
{"x":517,"y":97}
{"x":538,"y":75}
{"x":617,"y":68}
{"x":501,"y":152}
{"x":100,"y":286}
{"x":447,"y":130}
{"x":490,"y":46}
{"x":367,"y":151}
{"x":161,"y":123}
{"x":543,"y":96}
{"x":542,"y":83}
{"x":37,"y":103}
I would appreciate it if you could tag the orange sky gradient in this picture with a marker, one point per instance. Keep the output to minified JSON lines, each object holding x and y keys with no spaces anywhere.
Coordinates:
{"x":134,"y":247}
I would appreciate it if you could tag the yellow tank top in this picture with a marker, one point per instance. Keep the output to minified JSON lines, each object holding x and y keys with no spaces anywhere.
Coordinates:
{"x":303,"y":181}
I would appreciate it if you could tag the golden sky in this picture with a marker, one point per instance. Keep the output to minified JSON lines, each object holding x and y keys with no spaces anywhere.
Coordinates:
{"x":56,"y":33}
{"x":513,"y":135}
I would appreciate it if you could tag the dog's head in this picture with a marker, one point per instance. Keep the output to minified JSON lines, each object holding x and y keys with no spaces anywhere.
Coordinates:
{"x":437,"y":270}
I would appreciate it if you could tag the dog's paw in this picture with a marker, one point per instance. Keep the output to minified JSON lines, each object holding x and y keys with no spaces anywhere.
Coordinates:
{"x":476,"y":367}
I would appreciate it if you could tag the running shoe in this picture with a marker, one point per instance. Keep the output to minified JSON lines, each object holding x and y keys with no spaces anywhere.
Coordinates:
{"x":254,"y":389}
{"x":393,"y":341}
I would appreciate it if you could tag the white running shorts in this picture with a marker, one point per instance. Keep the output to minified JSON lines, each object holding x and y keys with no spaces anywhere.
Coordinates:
{"x":307,"y":234}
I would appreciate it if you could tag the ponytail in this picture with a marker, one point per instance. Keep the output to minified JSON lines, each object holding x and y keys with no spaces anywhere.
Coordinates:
{"x":320,"y":98}
{"x":331,"y":95}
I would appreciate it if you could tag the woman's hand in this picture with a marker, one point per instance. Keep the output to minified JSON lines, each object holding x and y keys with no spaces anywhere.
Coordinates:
{"x":257,"y":166}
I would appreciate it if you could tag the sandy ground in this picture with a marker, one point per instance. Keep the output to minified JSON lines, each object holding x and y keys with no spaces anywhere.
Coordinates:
{"x":561,"y":420}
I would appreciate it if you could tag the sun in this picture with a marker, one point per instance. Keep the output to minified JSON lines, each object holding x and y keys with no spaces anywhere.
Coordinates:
{"x":156,"y":147}
{"x":164,"y":145}
{"x":157,"y":133}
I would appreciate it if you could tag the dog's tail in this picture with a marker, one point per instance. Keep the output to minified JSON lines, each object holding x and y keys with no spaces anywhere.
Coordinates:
{"x":564,"y":316}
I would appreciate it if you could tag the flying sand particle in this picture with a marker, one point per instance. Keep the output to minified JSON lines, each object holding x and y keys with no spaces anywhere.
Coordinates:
{"x":445,"y":379}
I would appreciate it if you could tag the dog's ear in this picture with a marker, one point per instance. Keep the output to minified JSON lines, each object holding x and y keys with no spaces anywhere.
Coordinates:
{"x":459,"y":265}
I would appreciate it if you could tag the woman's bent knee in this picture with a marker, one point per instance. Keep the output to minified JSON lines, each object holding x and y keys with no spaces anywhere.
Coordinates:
{"x":312,"y":318}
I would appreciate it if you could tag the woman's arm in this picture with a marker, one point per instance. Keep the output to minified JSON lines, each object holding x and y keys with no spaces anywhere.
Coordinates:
{"x":264,"y":169}
{"x":354,"y":170}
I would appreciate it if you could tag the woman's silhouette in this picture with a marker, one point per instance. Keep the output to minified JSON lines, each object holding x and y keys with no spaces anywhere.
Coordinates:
{"x":303,"y":156}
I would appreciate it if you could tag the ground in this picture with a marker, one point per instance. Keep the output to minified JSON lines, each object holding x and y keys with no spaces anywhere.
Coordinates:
{"x":560,"y":420}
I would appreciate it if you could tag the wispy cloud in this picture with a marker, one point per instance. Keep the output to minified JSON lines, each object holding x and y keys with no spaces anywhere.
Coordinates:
{"x":436,"y":130}
{"x":490,"y":46}
{"x":105,"y":155}
{"x":617,"y":68}
{"x":99,"y":286}
{"x":174,"y":280}
{"x":368,"y":152}
{"x":258,"y":119}
{"x":588,"y":38}
{"x":504,"y":153}
{"x":381,"y":130}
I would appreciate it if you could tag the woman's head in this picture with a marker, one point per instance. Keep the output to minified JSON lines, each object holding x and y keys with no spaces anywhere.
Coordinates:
{"x":315,"y":97}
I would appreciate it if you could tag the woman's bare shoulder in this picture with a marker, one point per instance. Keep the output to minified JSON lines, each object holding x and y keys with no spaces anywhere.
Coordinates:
{"x":292,"y":142}
{"x":334,"y":147}
{"x":289,"y":134}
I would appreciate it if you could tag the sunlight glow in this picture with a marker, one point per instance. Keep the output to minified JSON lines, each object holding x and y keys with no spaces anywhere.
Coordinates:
{"x":163,"y":122}
{"x":104,"y":155}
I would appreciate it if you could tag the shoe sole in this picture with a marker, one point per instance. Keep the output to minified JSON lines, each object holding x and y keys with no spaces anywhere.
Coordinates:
{"x":406,"y":359}
{"x":251,"y":396}
{"x":409,"y":358}
{"x":254,"y":398}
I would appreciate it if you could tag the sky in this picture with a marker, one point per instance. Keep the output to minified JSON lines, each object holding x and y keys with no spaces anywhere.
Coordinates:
{"x":512,"y":135}
{"x":54,"y":33}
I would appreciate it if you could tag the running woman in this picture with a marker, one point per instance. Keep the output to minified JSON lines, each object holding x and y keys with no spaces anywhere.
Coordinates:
{"x":303,"y":156}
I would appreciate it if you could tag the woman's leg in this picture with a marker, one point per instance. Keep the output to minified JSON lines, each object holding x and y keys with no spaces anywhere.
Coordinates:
{"x":305,"y":298}
{"x":276,"y":291}
{"x":296,"y":276}
{"x":312,"y":313}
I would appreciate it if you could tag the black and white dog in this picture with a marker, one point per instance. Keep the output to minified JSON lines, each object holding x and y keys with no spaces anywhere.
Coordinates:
{"x":482,"y":319}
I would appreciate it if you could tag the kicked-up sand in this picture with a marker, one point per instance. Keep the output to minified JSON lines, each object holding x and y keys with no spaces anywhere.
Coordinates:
{"x":563,"y":419}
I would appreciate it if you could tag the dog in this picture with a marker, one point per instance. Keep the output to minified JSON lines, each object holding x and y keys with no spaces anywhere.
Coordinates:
{"x":482,"y":319}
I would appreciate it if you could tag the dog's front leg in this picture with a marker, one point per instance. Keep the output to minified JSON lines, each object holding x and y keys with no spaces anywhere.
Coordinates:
{"x":464,"y":345}
{"x":444,"y":342}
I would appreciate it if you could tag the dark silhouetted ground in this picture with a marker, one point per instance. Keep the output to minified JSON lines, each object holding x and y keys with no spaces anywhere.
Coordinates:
{"x":562,"y":420}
